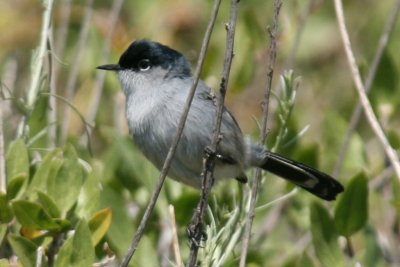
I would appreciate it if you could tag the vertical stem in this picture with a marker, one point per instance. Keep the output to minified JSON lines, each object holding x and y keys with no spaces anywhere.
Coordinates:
{"x":196,"y":226}
{"x":149,"y":209}
{"x":356,"y":115}
{"x":37,"y":65}
{"x":75,"y":67}
{"x":58,"y":45}
{"x":263,"y":133}
{"x":369,"y":113}
{"x":52,"y":114}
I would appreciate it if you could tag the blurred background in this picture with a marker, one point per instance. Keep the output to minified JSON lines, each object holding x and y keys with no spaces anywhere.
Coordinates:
{"x":86,"y":34}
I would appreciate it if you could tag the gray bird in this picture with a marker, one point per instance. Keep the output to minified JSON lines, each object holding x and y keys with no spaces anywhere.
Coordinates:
{"x":156,"y":81}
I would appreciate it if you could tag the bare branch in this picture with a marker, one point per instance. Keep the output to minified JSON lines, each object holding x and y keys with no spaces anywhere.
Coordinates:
{"x":356,"y":115}
{"x":196,"y":225}
{"x":98,"y":85}
{"x":57,"y":46}
{"x":369,"y":113}
{"x":257,"y":177}
{"x":33,"y":91}
{"x":75,"y":67}
{"x":179,"y":130}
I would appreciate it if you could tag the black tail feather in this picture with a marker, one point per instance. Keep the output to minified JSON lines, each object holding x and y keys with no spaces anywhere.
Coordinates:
{"x":312,"y":180}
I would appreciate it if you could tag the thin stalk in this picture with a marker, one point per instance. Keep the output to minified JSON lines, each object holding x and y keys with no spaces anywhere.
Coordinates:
{"x":263,"y":134}
{"x":37,"y":66}
{"x":146,"y":216}
{"x":196,"y":226}
{"x":369,"y":113}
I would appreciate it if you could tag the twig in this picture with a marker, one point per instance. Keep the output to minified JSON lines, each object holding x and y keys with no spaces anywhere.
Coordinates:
{"x":62,"y":32}
{"x":263,"y":134}
{"x":98,"y":85}
{"x":37,"y":65}
{"x":369,"y":113}
{"x":52,"y":114}
{"x":56,"y":243}
{"x":179,"y":130}
{"x":39,"y":256}
{"x":58,"y":47}
{"x":196,"y":225}
{"x":77,"y":112}
{"x":175,"y":242}
{"x":355,"y":117}
{"x":75,"y":67}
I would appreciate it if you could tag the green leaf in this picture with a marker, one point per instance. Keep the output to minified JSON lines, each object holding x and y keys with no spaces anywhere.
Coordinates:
{"x":64,"y":188}
{"x":78,"y":250}
{"x":6,"y":213}
{"x":65,"y":225}
{"x":17,"y":159}
{"x":89,"y":197}
{"x":33,"y":216}
{"x":24,"y":249}
{"x":4,"y":263}
{"x":49,"y":204}
{"x":351,"y":212}
{"x":99,"y":224}
{"x":386,"y":80}
{"x":3,"y":230}
{"x":15,"y":185}
{"x":119,"y":240}
{"x":324,"y":237}
{"x":17,"y":162}
{"x":304,"y":261}
{"x":48,"y":168}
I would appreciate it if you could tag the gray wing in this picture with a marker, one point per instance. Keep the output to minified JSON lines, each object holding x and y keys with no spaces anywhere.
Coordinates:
{"x":198,"y":131}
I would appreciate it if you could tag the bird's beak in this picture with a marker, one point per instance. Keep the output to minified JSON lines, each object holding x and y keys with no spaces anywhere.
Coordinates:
{"x":113,"y":67}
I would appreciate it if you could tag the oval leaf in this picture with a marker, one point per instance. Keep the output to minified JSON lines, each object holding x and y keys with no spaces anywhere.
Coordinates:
{"x":17,"y":160}
{"x":48,"y":202}
{"x":68,"y":181}
{"x":33,"y":216}
{"x":89,"y":197}
{"x":78,"y":250}
{"x":324,"y":236}
{"x":17,"y":163}
{"x":15,"y":185}
{"x":6,"y":213}
{"x":24,"y":249}
{"x":351,"y":212}
{"x":99,"y":224}
{"x":49,"y":167}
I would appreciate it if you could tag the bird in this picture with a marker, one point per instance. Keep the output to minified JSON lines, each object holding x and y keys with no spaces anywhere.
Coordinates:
{"x":156,"y":81}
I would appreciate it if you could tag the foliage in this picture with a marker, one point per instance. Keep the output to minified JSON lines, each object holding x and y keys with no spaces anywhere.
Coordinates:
{"x":74,"y":200}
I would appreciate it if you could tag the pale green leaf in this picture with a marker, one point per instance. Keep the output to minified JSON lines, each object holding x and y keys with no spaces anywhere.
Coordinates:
{"x":99,"y":224}
{"x":32,"y":215}
{"x":78,"y":250}
{"x":24,"y":249}
{"x":324,"y":237}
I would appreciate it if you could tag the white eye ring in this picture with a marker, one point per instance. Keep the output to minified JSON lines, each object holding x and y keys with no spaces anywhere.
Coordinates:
{"x":144,"y":64}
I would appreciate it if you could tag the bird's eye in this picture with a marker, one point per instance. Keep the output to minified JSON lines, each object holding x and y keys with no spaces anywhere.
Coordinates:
{"x":144,"y":64}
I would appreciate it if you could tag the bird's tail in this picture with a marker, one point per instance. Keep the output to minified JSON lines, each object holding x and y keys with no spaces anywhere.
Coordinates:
{"x":312,"y":180}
